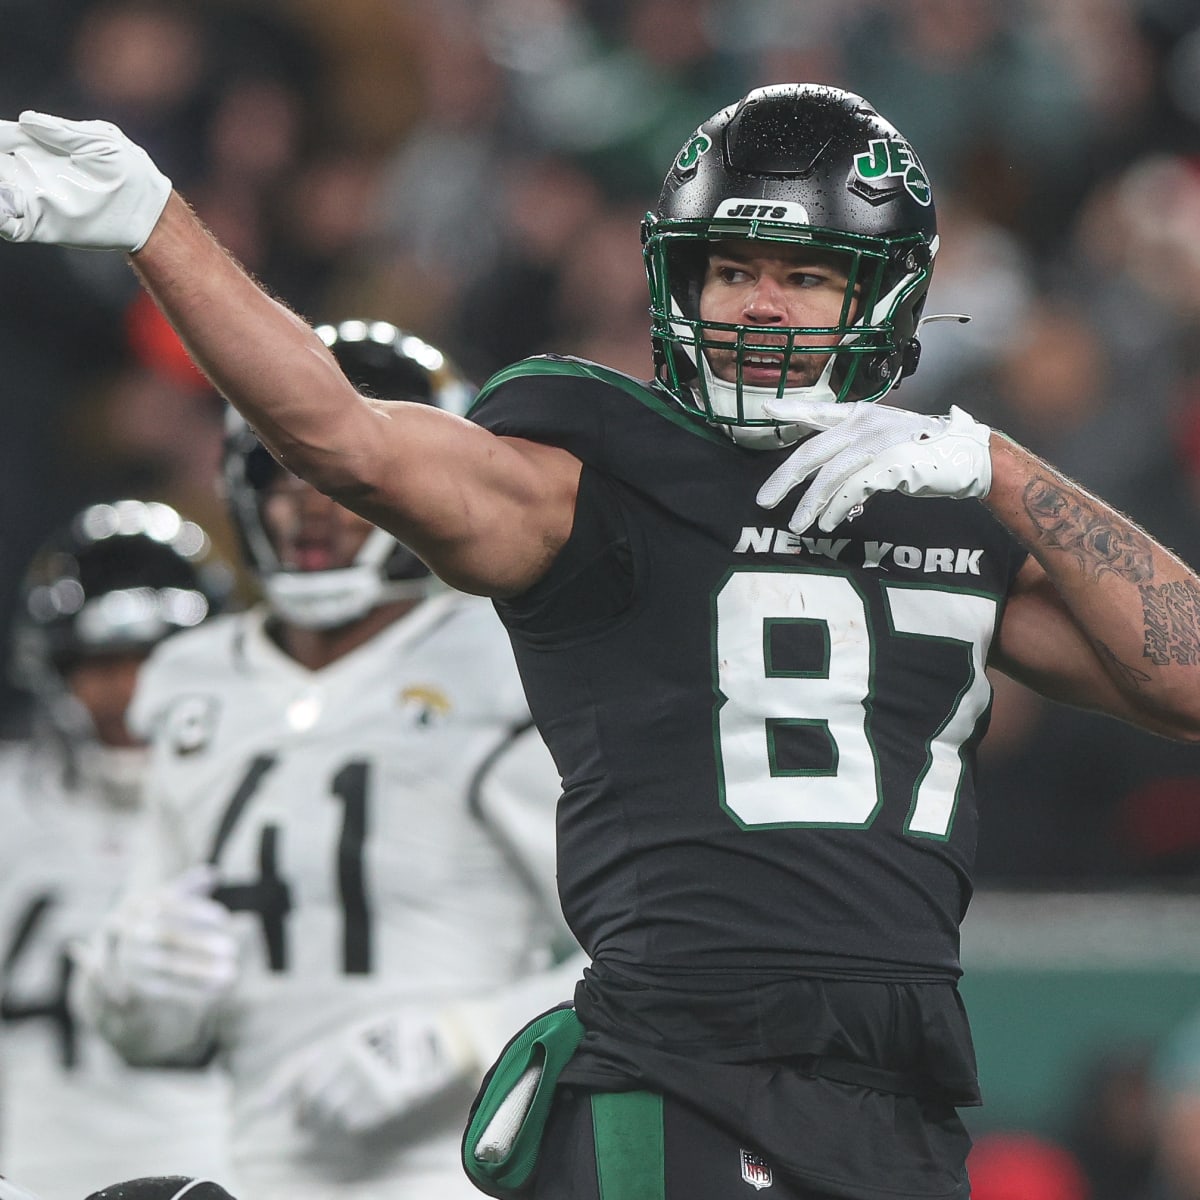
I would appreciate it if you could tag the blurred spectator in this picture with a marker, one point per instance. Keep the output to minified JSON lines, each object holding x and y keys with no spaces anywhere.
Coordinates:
{"x":1024,"y":1166}
{"x":623,"y":87}
{"x":983,"y":271}
{"x":156,"y":67}
{"x":1011,"y":104}
{"x":1111,"y":1129}
{"x":1176,"y":1080}
{"x":435,"y":215}
{"x":142,"y":64}
{"x":785,"y":40}
{"x":512,"y":310}
{"x":1053,"y":391}
{"x":602,"y":303}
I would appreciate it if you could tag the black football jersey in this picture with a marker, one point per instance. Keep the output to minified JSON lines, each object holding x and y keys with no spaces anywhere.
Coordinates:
{"x":767,"y":740}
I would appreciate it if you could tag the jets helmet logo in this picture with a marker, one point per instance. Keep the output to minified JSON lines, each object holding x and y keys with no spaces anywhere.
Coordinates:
{"x":689,"y":156}
{"x":886,"y":159}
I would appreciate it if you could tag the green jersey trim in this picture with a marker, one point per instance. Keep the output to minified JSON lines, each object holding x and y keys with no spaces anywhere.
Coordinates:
{"x":581,"y":369}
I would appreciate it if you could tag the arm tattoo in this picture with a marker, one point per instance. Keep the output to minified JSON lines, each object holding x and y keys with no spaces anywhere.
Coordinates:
{"x":1072,"y":521}
{"x":1131,"y":675}
{"x":1171,"y":612}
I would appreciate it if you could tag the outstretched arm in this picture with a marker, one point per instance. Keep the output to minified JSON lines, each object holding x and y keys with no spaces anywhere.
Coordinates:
{"x":486,"y":513}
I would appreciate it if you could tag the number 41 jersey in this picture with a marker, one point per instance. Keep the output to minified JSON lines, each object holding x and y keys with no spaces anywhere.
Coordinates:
{"x":767,"y":740}
{"x":341,"y":809}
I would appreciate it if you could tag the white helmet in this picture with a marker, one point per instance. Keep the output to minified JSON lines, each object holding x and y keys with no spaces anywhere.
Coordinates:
{"x":386,"y":363}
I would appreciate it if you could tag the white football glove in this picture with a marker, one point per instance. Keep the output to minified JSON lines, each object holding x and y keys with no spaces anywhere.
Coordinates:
{"x":77,"y":183}
{"x":380,"y":1069}
{"x":867,"y":448}
{"x":174,"y":943}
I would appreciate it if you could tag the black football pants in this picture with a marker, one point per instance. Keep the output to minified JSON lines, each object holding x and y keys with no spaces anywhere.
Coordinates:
{"x":641,"y":1146}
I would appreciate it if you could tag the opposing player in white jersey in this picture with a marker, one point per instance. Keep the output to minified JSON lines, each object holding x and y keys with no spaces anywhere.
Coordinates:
{"x":98,"y":597}
{"x":351,"y":768}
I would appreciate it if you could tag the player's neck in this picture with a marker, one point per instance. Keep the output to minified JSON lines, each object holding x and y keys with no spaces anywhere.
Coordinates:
{"x":317,"y":648}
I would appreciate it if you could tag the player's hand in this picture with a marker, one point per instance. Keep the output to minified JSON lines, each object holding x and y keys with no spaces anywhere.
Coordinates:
{"x":77,"y":183}
{"x":867,"y":448}
{"x":173,"y":943}
{"x":380,"y":1069}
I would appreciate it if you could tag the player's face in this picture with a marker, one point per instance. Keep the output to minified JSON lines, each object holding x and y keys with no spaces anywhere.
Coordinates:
{"x":104,"y":685}
{"x":765,"y":284}
{"x":309,"y":531}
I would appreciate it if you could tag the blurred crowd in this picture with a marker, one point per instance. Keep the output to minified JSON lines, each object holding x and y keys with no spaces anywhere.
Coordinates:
{"x":475,"y":170}
{"x":1131,"y":1133}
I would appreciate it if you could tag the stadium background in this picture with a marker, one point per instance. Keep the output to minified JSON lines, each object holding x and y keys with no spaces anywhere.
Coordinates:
{"x":476,"y":170}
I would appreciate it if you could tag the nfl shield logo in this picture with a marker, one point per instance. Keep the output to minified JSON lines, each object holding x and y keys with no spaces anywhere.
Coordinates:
{"x":755,"y":1171}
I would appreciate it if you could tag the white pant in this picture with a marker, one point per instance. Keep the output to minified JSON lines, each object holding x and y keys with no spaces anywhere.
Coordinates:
{"x":417,"y":1159}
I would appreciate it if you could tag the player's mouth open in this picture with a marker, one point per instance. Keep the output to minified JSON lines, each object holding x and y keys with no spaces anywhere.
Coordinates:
{"x":313,"y":556}
{"x":761,"y":368}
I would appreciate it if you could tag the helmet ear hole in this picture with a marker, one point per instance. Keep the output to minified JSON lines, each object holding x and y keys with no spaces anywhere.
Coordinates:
{"x":911,"y":356}
{"x":914,"y":258}
{"x":876,"y":372}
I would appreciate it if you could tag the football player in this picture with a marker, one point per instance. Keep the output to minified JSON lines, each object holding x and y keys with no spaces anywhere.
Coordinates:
{"x":766,"y":719}
{"x":350,"y":770}
{"x":98,"y":597}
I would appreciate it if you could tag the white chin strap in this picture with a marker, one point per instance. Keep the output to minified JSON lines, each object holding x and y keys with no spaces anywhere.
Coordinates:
{"x":327,"y":599}
{"x":723,"y":397}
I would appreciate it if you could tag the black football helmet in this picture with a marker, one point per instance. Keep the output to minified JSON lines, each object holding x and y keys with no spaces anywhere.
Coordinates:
{"x":386,"y":363}
{"x":121,"y":577}
{"x":803,"y":164}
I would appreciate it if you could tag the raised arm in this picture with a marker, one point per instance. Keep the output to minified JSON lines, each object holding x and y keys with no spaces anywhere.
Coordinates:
{"x":486,"y":513}
{"x":1102,"y":616}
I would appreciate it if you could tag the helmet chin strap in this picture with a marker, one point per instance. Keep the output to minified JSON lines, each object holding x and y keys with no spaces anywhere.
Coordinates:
{"x":327,"y":599}
{"x":763,"y":437}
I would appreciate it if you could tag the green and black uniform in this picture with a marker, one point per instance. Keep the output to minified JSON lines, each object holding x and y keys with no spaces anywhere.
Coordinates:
{"x":767,"y":745}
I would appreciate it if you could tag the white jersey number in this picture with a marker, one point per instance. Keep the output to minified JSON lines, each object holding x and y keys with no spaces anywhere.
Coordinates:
{"x":762,"y":704}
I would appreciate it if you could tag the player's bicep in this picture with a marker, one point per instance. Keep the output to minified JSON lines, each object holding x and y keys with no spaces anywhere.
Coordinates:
{"x":1041,"y":646}
{"x":487,"y":513}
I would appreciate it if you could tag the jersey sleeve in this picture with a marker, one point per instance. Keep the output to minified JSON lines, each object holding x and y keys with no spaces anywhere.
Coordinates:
{"x":558,"y":401}
{"x":569,"y":403}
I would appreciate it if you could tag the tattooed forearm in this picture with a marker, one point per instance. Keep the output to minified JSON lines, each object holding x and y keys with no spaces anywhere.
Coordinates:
{"x":1072,"y":522}
{"x":1171,"y":612}
{"x":1131,"y":675}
